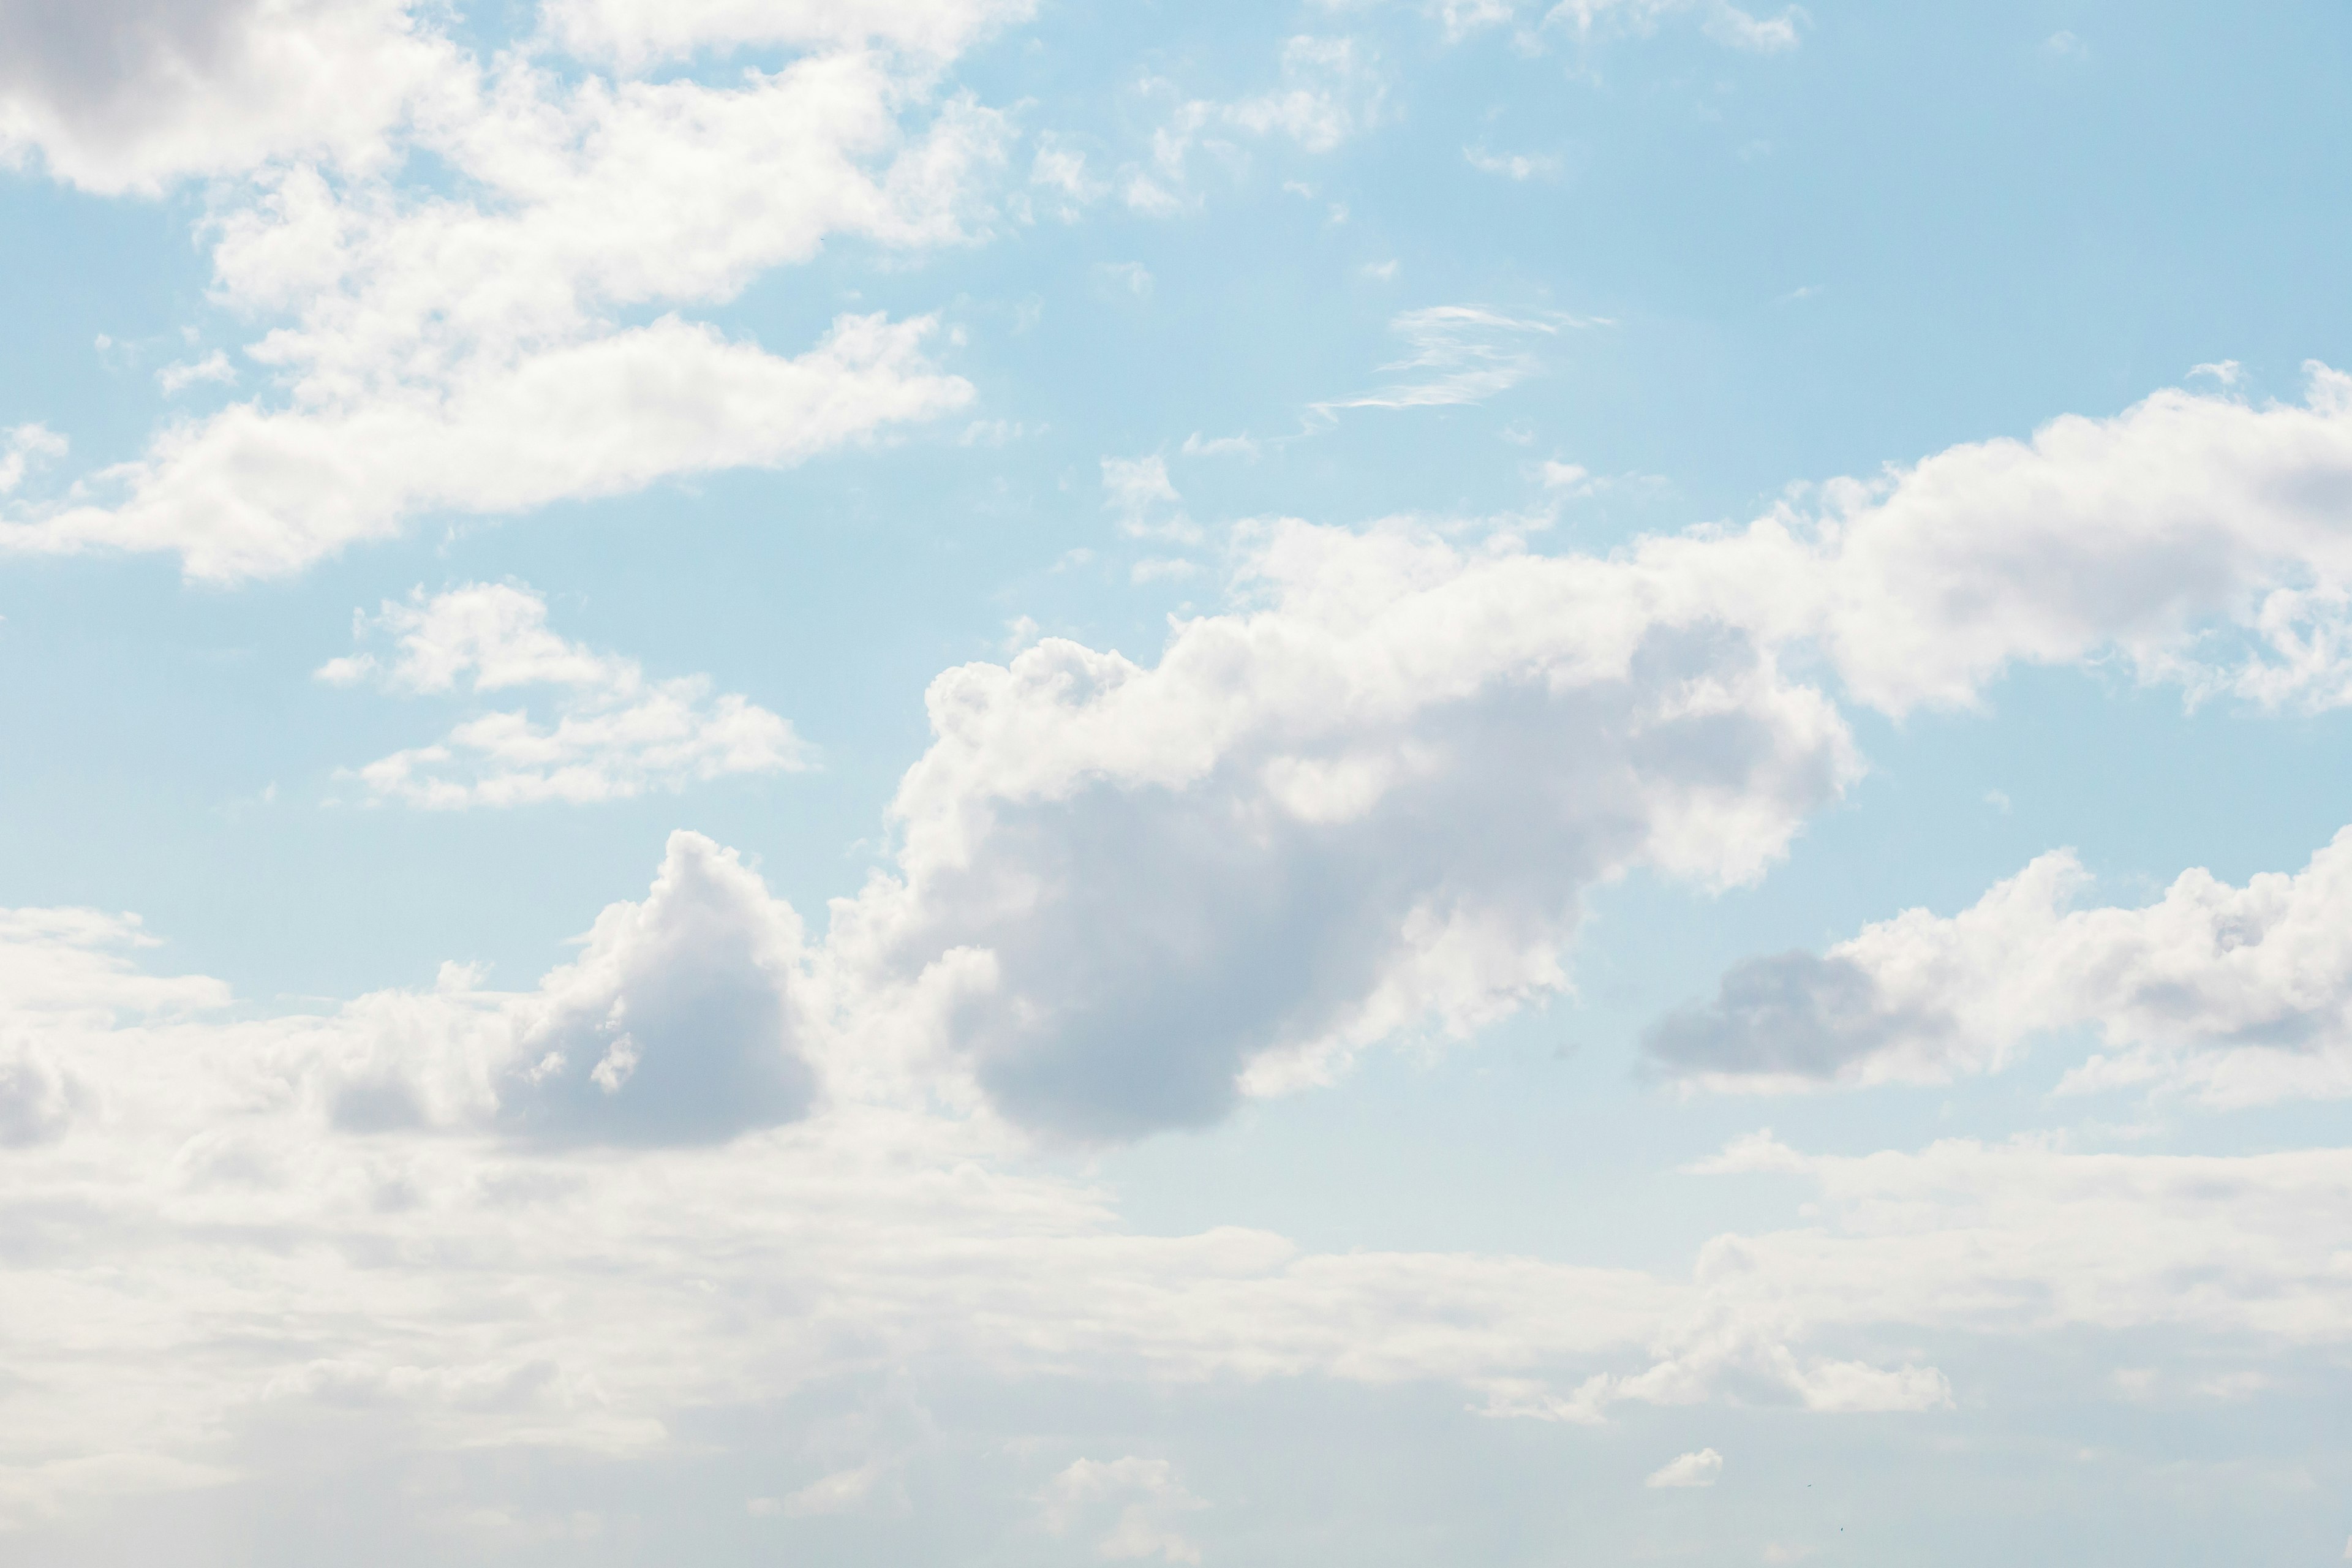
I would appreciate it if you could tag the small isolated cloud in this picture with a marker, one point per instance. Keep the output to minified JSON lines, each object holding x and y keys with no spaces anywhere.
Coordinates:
{"x":1156,"y":568}
{"x":1724,"y":23}
{"x":1198,"y":445}
{"x":1060,"y":171}
{"x":1141,"y":1500}
{"x":1460,"y":18}
{"x":1379,"y":271}
{"x":1703,"y":1468}
{"x":1565,"y":478}
{"x":1778,"y":1554}
{"x":2064,"y":45}
{"x":843,"y":1492}
{"x":1133,"y":277}
{"x":616,"y":733}
{"x":1461,"y":354}
{"x":1138,"y":494}
{"x":178,"y":378}
{"x":23,"y":447}
{"x":1513,"y":166}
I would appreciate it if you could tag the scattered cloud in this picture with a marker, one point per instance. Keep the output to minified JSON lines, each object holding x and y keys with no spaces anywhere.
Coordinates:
{"x":177,"y":378}
{"x":1144,"y":501}
{"x":1513,"y":166}
{"x":514,"y":340}
{"x":616,"y":734}
{"x":1143,"y":1498}
{"x":1132,"y":277}
{"x":1461,"y":354}
{"x":1702,"y":1468}
{"x":1198,"y":445}
{"x":2237,"y":995}
{"x":23,"y":448}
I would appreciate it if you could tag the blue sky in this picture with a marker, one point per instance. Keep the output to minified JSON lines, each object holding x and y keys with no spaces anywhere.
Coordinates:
{"x":979,"y":782}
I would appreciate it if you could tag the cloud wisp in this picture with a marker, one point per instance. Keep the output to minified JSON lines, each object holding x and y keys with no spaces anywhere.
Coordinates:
{"x":616,"y":734}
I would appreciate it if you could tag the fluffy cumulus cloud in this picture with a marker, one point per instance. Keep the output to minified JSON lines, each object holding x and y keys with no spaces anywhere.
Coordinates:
{"x":2197,"y":537}
{"x":616,"y":734}
{"x":1702,"y":1468}
{"x":482,"y":348}
{"x":2238,"y":994}
{"x":1372,"y":806}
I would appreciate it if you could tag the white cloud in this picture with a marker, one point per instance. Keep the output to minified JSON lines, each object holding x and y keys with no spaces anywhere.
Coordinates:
{"x":680,"y":1151}
{"x":178,"y":378}
{"x":1331,"y":91}
{"x":1369,"y":806}
{"x":470,"y":351}
{"x":1132,"y":275}
{"x":132,"y":95}
{"x":21,"y":448}
{"x":2236,"y":995}
{"x":1061,"y":169}
{"x":1139,"y":493}
{"x":1460,"y":354}
{"x":2197,"y":537}
{"x":616,"y":734}
{"x":1722,"y":22}
{"x":1702,"y":1468}
{"x":1461,"y":18}
{"x":1148,"y":1499}
{"x":841,"y":1492}
{"x":1513,"y":166}
{"x":1198,"y":445}
{"x":633,"y":34}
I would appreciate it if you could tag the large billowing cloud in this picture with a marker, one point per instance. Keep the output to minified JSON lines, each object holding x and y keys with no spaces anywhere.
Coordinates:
{"x":2238,"y":994}
{"x":1370,"y":807}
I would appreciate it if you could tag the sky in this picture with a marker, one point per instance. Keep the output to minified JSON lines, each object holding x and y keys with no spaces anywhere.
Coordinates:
{"x":1356,"y":781}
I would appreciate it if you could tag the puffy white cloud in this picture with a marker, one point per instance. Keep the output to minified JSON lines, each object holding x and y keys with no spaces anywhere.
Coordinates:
{"x":2199,"y":537}
{"x":616,"y":734}
{"x":471,"y":350}
{"x":1372,"y":806}
{"x":255,"y":492}
{"x":1149,"y":1499}
{"x":131,"y":95}
{"x":1702,"y":1468}
{"x":2237,"y":994}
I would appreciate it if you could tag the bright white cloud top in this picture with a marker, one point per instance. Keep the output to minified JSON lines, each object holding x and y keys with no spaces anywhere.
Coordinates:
{"x":1096,"y":766}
